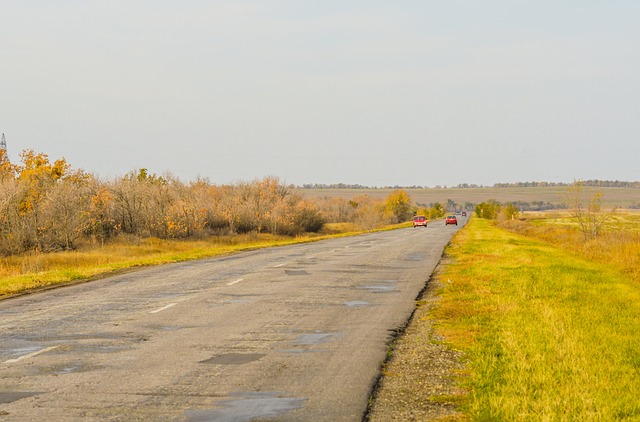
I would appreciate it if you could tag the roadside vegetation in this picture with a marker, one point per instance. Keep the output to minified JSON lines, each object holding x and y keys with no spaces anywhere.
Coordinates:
{"x":618,"y":245}
{"x":546,"y":322}
{"x":540,"y":312}
{"x":548,"y":334}
{"x":58,"y":224}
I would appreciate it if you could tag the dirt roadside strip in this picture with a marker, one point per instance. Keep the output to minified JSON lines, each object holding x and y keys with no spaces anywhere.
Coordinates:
{"x":418,"y":381}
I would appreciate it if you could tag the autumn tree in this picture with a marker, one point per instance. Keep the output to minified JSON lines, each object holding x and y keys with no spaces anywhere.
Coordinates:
{"x":335,"y":209}
{"x":399,"y":205}
{"x":436,"y":211}
{"x":140,"y":203}
{"x":488,"y":210}
{"x":228,"y":201}
{"x":368,"y":213}
{"x":510,"y":211}
{"x":7,"y":170}
{"x":189,"y":211}
{"x":10,"y":218}
{"x":268,"y":203}
{"x":307,"y":217}
{"x":422,"y":210}
{"x":100,"y":213}
{"x":64,"y":222}
{"x":37,"y":177}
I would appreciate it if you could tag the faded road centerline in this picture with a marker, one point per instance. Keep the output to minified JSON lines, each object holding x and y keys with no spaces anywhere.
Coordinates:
{"x":235,"y":282}
{"x":30,"y":355}
{"x":163,"y":308}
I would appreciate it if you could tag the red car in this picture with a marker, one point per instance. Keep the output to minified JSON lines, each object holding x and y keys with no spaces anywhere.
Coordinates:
{"x":419,"y":220}
{"x":451,"y":220}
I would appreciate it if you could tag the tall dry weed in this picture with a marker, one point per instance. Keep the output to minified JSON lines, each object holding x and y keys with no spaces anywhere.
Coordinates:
{"x":619,"y":245}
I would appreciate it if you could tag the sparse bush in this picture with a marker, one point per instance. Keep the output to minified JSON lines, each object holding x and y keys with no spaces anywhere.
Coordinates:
{"x":337,"y":210}
{"x":588,"y":212}
{"x":308,"y":218}
{"x":369,"y":213}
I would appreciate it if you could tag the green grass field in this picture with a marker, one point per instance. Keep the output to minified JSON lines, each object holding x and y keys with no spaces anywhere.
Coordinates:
{"x":548,"y":334}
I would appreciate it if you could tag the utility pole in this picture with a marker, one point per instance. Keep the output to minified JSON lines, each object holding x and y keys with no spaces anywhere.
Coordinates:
{"x":3,"y":143}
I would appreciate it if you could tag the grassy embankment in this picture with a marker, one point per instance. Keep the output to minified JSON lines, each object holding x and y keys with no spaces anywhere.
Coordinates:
{"x":38,"y":270}
{"x":550,"y":331}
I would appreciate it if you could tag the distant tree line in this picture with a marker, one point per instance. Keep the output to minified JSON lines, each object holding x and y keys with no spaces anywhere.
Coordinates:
{"x":529,"y":185}
{"x":593,"y":183}
{"x":333,"y":186}
{"x":353,"y":186}
{"x":469,"y":186}
{"x":536,"y":205}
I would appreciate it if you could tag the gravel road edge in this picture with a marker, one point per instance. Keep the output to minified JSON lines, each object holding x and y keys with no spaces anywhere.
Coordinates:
{"x":418,"y":378}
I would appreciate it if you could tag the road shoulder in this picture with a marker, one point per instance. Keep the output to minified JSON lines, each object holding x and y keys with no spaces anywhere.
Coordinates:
{"x":418,"y":381}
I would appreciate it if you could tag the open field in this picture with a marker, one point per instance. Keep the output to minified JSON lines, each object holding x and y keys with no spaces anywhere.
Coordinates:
{"x":620,"y":197}
{"x":625,"y":221}
{"x":547,"y":333}
{"x":617,"y":246}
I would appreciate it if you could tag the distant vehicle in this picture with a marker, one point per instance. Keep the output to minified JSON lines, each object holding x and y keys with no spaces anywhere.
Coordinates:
{"x":451,"y":220}
{"x":419,"y":220}
{"x":464,"y":213}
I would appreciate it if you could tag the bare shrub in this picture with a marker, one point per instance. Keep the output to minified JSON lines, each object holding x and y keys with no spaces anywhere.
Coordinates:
{"x":63,"y":219}
{"x":587,"y":210}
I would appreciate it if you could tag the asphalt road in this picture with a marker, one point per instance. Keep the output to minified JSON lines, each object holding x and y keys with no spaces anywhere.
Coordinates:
{"x":293,"y":333}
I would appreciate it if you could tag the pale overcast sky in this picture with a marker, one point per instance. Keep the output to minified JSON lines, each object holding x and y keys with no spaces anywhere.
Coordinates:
{"x":365,"y":91}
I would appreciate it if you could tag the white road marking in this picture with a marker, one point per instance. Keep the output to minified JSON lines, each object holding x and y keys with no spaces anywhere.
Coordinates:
{"x":235,"y":282}
{"x":30,"y":355}
{"x":163,"y":308}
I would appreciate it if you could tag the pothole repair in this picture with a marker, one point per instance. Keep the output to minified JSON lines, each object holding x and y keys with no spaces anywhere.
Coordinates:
{"x":234,"y":359}
{"x":244,"y":407}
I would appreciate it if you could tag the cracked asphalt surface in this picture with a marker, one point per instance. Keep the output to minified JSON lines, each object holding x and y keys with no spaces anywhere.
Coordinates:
{"x":289,"y":334}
